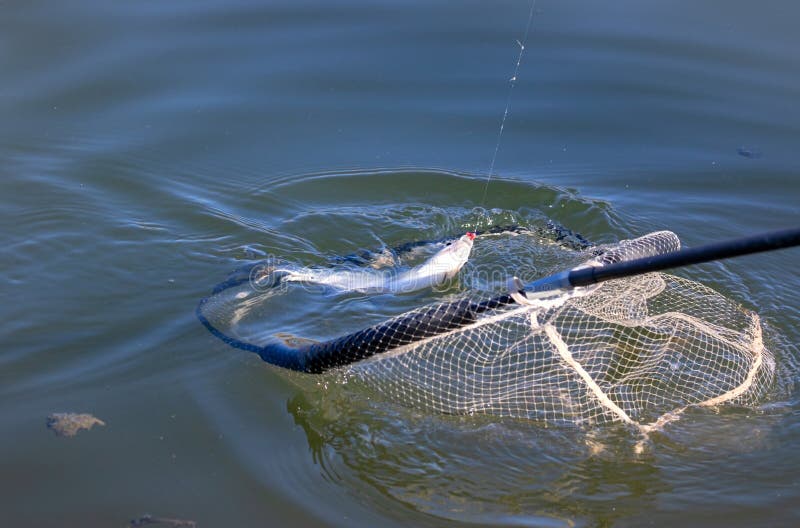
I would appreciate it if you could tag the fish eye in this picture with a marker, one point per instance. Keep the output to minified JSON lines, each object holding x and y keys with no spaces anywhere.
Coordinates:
{"x":449,"y":244}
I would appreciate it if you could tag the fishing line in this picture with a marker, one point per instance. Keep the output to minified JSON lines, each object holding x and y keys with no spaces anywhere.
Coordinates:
{"x":512,"y":82}
{"x":611,"y":340}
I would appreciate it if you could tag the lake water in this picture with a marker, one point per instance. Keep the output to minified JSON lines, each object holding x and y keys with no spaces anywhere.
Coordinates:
{"x":149,"y":148}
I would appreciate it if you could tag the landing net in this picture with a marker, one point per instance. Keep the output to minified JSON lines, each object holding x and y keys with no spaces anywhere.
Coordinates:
{"x":637,"y":350}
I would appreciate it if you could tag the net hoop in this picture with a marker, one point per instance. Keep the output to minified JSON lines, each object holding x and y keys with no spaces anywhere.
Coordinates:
{"x":637,"y":351}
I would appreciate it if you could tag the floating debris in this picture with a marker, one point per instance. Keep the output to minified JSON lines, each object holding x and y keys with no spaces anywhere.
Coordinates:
{"x":148,"y":519}
{"x":748,"y":152}
{"x":294,"y":341}
{"x":68,"y":424}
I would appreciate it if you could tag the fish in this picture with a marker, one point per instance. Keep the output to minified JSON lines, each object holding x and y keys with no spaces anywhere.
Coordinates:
{"x":444,"y":265}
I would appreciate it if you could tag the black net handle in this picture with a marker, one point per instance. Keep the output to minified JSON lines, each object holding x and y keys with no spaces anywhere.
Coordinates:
{"x":772,"y":240}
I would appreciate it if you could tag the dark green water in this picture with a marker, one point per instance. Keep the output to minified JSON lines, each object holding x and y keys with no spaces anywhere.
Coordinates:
{"x":147,"y":148}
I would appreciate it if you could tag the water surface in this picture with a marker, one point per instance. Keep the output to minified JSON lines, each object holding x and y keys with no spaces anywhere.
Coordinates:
{"x":148,"y":149}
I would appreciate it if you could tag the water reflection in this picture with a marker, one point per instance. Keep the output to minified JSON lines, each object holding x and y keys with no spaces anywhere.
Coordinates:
{"x":505,"y":472}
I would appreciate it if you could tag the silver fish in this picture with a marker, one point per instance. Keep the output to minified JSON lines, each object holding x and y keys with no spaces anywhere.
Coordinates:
{"x":442,"y":266}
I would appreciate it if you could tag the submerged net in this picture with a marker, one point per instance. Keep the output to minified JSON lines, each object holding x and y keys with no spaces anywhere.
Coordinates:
{"x":637,"y":350}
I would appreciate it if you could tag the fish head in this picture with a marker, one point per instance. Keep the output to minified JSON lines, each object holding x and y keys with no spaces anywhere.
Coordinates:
{"x":451,"y":258}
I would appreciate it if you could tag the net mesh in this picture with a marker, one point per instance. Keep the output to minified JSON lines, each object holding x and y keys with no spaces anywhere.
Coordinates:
{"x":638,"y":350}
